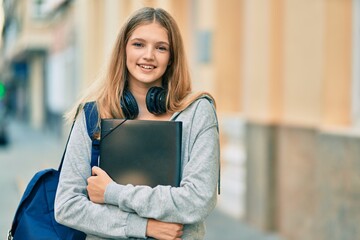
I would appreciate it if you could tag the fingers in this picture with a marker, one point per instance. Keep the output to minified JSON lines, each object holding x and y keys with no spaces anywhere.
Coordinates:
{"x":96,"y":171}
{"x":179,"y":231}
{"x":164,"y":230}
{"x":177,"y":228}
{"x":174,"y":230}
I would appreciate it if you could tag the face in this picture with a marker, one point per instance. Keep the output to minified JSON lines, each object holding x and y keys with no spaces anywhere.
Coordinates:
{"x":147,"y":55}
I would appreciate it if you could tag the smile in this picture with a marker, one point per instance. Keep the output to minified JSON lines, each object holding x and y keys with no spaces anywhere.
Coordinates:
{"x":146,"y":66}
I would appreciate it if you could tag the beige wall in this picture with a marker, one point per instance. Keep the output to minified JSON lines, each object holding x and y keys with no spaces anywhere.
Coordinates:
{"x":227,"y":57}
{"x":303,"y":62}
{"x":297,"y":91}
{"x":256,"y":61}
{"x":297,"y":62}
{"x":337,"y":67}
{"x":276,"y":59}
{"x":283,"y":61}
{"x":90,"y":39}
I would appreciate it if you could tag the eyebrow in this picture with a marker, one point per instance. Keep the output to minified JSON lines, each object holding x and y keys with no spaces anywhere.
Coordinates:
{"x":143,"y":40}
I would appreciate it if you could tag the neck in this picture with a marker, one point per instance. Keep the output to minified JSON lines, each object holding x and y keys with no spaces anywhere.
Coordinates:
{"x":146,"y":115}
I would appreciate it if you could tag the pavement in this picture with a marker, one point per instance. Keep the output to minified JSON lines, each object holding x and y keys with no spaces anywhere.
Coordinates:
{"x":31,"y":150}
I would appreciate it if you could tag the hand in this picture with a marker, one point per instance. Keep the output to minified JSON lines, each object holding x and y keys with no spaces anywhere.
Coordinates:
{"x":97,"y":184}
{"x":163,"y":230}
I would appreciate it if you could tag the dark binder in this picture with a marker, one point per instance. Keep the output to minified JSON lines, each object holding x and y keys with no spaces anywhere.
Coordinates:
{"x":141,"y":152}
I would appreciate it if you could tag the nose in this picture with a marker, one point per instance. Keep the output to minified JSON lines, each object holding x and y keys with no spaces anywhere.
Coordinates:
{"x":149,"y":53}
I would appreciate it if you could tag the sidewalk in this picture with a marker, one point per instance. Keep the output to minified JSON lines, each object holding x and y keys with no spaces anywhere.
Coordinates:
{"x":30,"y":151}
{"x":220,"y":226}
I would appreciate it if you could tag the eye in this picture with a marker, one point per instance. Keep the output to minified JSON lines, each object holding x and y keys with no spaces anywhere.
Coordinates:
{"x":138,"y":44}
{"x":162,"y":48}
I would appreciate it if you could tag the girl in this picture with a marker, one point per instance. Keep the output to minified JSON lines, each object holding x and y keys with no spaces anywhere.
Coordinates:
{"x":148,"y":53}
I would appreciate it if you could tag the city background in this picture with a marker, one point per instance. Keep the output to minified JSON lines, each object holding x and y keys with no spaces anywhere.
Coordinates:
{"x":285,"y":75}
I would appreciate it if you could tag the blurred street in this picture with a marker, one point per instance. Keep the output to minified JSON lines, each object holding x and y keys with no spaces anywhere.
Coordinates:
{"x":30,"y":151}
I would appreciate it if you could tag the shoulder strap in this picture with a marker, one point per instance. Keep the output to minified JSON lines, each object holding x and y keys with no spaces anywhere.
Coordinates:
{"x":67,"y":141}
{"x":92,"y":118}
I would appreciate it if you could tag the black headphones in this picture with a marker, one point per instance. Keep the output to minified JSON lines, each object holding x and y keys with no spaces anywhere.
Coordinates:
{"x":155,"y":102}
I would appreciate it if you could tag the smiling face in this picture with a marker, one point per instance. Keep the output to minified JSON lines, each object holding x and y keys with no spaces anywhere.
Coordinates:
{"x":147,"y":55}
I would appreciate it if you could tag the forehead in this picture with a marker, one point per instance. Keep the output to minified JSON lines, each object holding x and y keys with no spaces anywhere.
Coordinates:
{"x":150,"y":32}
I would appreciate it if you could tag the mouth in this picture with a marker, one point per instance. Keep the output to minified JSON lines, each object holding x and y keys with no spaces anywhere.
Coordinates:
{"x":147,"y":67}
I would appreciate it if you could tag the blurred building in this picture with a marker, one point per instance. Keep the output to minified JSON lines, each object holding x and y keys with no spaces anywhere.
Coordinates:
{"x":285,"y":74}
{"x":300,"y":96}
{"x":38,"y":59}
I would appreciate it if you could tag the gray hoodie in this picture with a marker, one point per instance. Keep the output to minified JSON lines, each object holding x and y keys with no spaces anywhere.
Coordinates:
{"x":127,"y":208}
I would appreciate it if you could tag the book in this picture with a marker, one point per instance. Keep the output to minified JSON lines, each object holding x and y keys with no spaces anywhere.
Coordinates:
{"x":141,"y":152}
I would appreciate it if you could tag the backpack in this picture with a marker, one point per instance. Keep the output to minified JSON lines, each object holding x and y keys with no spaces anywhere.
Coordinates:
{"x":34,"y":218}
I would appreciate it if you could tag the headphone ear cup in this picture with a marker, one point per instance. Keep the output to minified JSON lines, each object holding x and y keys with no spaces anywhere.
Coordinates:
{"x":128,"y":105}
{"x":156,"y":100}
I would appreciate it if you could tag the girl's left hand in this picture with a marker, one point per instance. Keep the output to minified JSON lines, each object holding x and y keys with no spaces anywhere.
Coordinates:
{"x":97,"y":184}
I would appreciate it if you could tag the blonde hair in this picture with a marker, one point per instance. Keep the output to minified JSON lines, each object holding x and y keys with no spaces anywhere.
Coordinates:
{"x":108,"y":89}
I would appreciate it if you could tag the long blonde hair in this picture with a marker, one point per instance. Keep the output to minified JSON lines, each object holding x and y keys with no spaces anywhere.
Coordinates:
{"x":107,"y":90}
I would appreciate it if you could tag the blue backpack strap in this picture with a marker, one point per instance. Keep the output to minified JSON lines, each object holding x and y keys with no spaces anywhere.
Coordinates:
{"x":92,"y":118}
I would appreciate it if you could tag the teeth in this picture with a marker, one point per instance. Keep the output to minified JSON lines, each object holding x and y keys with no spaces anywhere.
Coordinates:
{"x":147,"y":67}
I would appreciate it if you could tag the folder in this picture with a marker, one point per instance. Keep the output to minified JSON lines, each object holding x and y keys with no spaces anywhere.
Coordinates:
{"x":141,"y":152}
